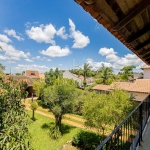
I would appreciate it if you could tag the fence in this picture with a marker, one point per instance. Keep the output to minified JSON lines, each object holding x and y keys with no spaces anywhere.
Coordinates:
{"x":128,"y":135}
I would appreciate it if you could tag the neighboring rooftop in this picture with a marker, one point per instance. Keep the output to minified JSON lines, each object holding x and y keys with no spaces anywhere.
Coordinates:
{"x":127,"y":20}
{"x":34,"y":74}
{"x":139,"y":86}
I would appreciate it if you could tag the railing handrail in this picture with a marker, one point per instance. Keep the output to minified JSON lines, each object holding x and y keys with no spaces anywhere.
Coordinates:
{"x":119,"y":126}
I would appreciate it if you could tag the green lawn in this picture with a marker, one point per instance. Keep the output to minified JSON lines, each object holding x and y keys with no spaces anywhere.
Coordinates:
{"x":39,"y":131}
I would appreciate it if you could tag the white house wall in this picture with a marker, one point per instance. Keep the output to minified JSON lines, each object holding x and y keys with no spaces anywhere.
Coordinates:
{"x":147,"y":73}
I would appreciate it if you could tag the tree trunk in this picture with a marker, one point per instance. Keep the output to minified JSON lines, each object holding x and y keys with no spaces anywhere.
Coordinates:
{"x":32,"y":114}
{"x":58,"y":122}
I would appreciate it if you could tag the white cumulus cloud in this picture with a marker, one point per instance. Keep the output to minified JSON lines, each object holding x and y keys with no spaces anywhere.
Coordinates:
{"x":61,"y":33}
{"x":80,"y":40}
{"x":13,"y":34}
{"x":28,"y":60}
{"x":56,"y":51}
{"x":106,"y":51}
{"x":4,"y":38}
{"x":119,"y":62}
{"x":23,"y":67}
{"x":96,"y":65}
{"x":42,"y":33}
{"x":10,"y":53}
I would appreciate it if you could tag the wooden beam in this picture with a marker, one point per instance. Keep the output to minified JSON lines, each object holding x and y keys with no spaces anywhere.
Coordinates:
{"x":146,"y":56}
{"x":148,"y":59}
{"x":134,"y":12}
{"x":148,"y":62}
{"x":144,"y":51}
{"x":89,"y":2}
{"x":142,"y":44}
{"x":138,"y":34}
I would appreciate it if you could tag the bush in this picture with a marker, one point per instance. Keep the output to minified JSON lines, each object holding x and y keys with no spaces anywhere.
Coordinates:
{"x":87,"y":140}
{"x":55,"y":133}
{"x":42,"y":104}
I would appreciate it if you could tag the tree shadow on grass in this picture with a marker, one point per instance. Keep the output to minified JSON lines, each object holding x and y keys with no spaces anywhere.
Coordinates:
{"x":33,"y":119}
{"x":46,"y":125}
{"x":64,"y":128}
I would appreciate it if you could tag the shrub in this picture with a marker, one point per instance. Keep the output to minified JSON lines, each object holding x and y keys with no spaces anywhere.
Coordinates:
{"x":86,"y":140}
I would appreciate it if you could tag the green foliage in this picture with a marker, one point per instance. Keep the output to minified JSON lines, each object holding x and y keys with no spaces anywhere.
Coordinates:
{"x":38,"y":86}
{"x":55,"y":132}
{"x":127,"y":71}
{"x":33,"y":107}
{"x":2,"y":68}
{"x":86,"y":140}
{"x":105,"y":74}
{"x":78,"y":102}
{"x":60,"y":99}
{"x":51,"y":76}
{"x":18,"y":74}
{"x":100,"y":110}
{"x":13,"y":117}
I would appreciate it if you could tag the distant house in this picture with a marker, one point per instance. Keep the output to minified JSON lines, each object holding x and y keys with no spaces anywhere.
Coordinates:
{"x":79,"y":79}
{"x":29,"y":77}
{"x":146,"y":71}
{"x":140,"y":88}
{"x":67,"y":74}
{"x":33,"y":75}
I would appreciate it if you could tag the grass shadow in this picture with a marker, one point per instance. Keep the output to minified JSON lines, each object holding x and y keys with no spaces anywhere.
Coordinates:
{"x":33,"y":119}
{"x":64,"y":128}
{"x":47,"y":125}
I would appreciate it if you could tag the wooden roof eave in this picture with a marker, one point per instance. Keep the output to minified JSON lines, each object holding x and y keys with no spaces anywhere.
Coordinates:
{"x":139,"y":50}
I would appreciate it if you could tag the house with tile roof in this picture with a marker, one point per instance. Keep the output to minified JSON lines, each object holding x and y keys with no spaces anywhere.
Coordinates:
{"x":140,"y":88}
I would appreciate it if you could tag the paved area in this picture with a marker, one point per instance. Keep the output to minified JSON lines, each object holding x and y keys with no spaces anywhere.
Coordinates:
{"x":145,"y":145}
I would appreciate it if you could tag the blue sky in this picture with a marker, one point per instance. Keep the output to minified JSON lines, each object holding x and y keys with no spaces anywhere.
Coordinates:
{"x":40,"y":35}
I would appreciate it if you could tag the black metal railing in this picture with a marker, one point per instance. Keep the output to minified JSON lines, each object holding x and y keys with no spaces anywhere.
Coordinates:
{"x":128,"y":135}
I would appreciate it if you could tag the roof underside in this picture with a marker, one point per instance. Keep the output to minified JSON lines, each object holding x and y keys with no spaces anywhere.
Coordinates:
{"x":127,"y":20}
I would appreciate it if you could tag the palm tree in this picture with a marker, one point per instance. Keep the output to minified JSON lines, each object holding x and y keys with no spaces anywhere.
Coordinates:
{"x":105,"y":73}
{"x":86,"y":70}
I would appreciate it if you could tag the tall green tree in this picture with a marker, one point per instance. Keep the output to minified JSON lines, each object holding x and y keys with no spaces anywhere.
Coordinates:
{"x":57,"y":73}
{"x":86,"y":70}
{"x":51,"y":76}
{"x":105,"y":74}
{"x":60,"y":99}
{"x":33,"y":107}
{"x":101,"y":110}
{"x":127,"y":72}
{"x":39,"y":86}
{"x":14,"y":119}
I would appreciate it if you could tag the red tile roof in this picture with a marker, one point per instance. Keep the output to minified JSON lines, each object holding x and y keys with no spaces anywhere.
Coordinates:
{"x":101,"y":87}
{"x":139,"y":86}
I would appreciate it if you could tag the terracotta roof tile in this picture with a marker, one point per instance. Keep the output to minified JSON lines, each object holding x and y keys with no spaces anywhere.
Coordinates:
{"x":139,"y":86}
{"x":101,"y":87}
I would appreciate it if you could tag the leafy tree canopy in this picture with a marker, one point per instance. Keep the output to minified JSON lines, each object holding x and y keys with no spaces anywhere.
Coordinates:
{"x":100,"y":110}
{"x":14,"y":119}
{"x":60,"y":99}
{"x":126,"y":72}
